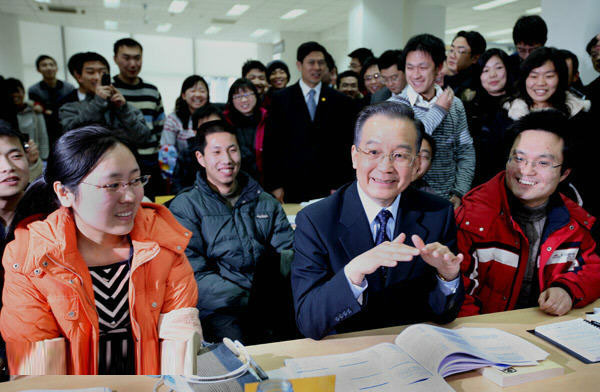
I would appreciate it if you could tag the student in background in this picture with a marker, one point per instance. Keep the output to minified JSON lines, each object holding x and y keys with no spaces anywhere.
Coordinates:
{"x":371,"y":78}
{"x":278,"y":75}
{"x":128,"y":55}
{"x":97,"y":244}
{"x":178,"y":127}
{"x":247,"y":119}
{"x":461,"y":61}
{"x":391,"y":68}
{"x":256,"y":72}
{"x":426,"y":155}
{"x":487,"y":120}
{"x":529,"y":33}
{"x":358,"y":57}
{"x":525,"y":244}
{"x":48,"y":93}
{"x":238,"y":230}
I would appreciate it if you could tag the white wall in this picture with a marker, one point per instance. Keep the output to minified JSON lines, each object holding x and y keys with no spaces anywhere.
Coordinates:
{"x":11,"y":62}
{"x":31,"y":47}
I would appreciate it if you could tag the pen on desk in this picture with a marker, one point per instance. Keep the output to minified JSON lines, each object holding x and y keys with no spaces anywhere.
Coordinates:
{"x":259,"y":371}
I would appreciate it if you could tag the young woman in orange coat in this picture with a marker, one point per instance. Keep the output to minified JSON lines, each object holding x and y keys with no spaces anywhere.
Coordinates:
{"x":89,"y":287}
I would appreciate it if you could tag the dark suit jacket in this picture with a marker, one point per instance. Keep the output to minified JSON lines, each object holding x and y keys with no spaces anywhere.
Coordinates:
{"x":308,"y":158}
{"x":330,"y":233}
{"x":381,"y":95}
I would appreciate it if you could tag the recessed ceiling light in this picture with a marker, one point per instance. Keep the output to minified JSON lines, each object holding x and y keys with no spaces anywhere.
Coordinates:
{"x":177,"y":6}
{"x":459,"y":28}
{"x":112,"y":3}
{"x":163,"y":28}
{"x":498,"y":32}
{"x":43,"y":1}
{"x":213,"y":30}
{"x":238,"y":9}
{"x":492,"y":4}
{"x":259,"y":33}
{"x":293,"y":14}
{"x":535,"y":10}
{"x":505,"y":41}
{"x":111,"y":24}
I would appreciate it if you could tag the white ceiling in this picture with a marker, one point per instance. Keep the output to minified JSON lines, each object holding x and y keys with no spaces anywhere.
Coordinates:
{"x":330,"y":16}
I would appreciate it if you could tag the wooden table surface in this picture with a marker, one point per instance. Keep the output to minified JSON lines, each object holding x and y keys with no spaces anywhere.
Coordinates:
{"x":578,"y":376}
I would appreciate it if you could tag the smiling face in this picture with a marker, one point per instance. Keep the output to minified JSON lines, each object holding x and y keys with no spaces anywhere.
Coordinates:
{"x":312,"y":68}
{"x":493,"y":76}
{"x":372,"y":79}
{"x":421,"y":73}
{"x":534,"y":185}
{"x":221,"y":159}
{"x":425,"y":155}
{"x":48,"y":68}
{"x":99,"y":212}
{"x":91,"y":75}
{"x":382,"y":180}
{"x":541,"y":84}
{"x":244,"y":100}
{"x":278,"y":78}
{"x":258,"y":79}
{"x":349,"y":86}
{"x":129,"y":60}
{"x":195,"y":96}
{"x":393,"y":78}
{"x":14,"y":168}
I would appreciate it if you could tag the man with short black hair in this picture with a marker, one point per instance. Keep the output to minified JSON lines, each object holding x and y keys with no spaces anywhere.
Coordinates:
{"x":529,"y":33}
{"x":308,"y":133}
{"x":358,"y":57}
{"x":128,"y":55}
{"x":592,"y":90}
{"x":453,"y":169}
{"x":239,"y":232}
{"x":524,"y":243}
{"x":462,"y":65}
{"x":94,"y":102}
{"x":391,"y":69}
{"x":48,"y":93}
{"x":573,"y":81}
{"x":347,"y":83}
{"x":377,"y":252}
{"x":256,"y":72}
{"x":330,"y":73}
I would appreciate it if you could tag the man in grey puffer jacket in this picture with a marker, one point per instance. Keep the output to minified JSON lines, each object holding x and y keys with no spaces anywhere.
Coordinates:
{"x":241,"y":245}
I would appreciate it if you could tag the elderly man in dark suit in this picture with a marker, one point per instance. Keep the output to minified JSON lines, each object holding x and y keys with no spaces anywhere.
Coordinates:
{"x":308,"y":134}
{"x":377,"y":252}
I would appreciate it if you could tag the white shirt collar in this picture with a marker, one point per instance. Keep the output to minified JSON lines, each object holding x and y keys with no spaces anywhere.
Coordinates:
{"x":372,"y":208}
{"x":416,"y":99}
{"x":306,"y":88}
{"x":81,"y":96}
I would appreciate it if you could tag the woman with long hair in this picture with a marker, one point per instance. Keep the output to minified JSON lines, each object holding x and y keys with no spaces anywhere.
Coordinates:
{"x":248,"y":120}
{"x":178,"y":126}
{"x":89,"y":280}
{"x":487,"y":120}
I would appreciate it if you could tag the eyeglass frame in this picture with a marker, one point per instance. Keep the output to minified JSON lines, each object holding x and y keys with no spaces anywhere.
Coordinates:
{"x":375,"y":76}
{"x":534,"y":164}
{"x":457,"y":51}
{"x":143,"y":180}
{"x":239,"y":97}
{"x":370,"y":157}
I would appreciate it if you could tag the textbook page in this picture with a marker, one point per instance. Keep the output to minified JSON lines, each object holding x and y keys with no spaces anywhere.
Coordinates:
{"x":447,"y":352}
{"x":383,"y":367}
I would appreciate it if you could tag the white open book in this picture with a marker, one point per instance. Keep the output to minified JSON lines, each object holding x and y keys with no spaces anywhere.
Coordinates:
{"x":421,"y":356}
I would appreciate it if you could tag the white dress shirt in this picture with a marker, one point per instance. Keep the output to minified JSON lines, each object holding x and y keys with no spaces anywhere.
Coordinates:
{"x":306,"y":89}
{"x":417,"y":99}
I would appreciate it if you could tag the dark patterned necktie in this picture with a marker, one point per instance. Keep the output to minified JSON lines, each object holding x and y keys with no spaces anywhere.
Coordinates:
{"x":382,"y":219}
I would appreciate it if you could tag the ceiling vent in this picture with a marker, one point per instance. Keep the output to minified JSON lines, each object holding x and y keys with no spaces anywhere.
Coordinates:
{"x":223,"y":21}
{"x":63,"y":10}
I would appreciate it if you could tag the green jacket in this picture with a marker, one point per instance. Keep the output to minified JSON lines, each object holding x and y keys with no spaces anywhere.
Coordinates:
{"x":227,"y":243}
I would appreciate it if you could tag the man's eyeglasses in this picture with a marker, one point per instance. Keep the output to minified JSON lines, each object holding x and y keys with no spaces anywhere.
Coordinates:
{"x":542,"y":165}
{"x":116,"y":186}
{"x":457,"y":51}
{"x":239,"y":97}
{"x":397,"y":157}
{"x":391,"y":79}
{"x":374,"y":76}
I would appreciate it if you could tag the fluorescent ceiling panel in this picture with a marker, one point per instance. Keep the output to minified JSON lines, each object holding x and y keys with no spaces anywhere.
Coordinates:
{"x":213,"y":30}
{"x":238,"y":9}
{"x":177,"y":6}
{"x":459,"y":28}
{"x":293,"y":14}
{"x":163,"y":28}
{"x":492,"y":4}
{"x":111,"y":24}
{"x":112,"y":3}
{"x":259,"y":33}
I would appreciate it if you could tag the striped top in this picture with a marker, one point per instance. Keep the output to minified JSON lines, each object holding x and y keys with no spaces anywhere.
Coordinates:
{"x":145,"y":97}
{"x":116,"y":346}
{"x":453,"y":166}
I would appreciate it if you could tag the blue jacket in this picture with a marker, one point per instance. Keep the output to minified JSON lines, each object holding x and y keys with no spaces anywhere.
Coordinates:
{"x":330,"y":233}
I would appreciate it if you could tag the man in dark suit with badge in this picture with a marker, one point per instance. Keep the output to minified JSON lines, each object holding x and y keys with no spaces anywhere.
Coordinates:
{"x":308,"y":134}
{"x":378,"y":252}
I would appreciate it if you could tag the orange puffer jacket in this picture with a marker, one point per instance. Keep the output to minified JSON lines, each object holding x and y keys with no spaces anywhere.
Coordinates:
{"x":48,"y":290}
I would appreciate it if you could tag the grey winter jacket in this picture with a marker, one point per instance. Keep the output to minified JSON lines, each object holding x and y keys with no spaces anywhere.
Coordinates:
{"x":97,"y":110}
{"x":227,"y":243}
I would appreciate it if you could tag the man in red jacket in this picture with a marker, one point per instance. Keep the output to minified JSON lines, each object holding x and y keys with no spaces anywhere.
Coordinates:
{"x":525,"y":244}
